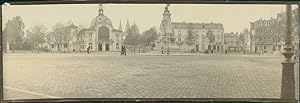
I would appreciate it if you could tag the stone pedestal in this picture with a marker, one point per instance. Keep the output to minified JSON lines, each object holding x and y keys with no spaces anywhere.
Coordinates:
{"x":288,"y":81}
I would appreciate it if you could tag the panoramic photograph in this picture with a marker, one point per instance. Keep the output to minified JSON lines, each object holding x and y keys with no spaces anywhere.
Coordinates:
{"x":150,"y":51}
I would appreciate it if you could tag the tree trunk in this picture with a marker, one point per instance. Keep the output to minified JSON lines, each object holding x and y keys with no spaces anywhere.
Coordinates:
{"x":13,"y":48}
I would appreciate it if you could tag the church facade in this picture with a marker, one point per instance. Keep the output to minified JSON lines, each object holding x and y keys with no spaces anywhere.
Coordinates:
{"x":175,"y":35}
{"x":100,"y":36}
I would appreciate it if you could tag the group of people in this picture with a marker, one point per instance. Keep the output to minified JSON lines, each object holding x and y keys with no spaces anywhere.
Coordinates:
{"x":123,"y":50}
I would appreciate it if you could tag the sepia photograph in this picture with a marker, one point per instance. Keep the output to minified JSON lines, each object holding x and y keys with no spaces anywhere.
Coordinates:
{"x":110,"y":50}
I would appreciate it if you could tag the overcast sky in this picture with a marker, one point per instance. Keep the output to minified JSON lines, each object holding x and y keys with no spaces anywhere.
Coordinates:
{"x":234,"y":17}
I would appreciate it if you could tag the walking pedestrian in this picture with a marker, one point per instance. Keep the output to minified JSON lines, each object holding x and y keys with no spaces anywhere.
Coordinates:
{"x":125,"y":50}
{"x":122,"y":50}
{"x":88,"y":50}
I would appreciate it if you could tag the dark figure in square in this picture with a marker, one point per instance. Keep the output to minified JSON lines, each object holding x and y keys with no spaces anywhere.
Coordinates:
{"x":88,"y":50}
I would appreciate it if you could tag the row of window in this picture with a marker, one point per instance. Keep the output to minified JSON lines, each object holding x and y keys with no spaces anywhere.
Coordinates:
{"x":91,"y":37}
{"x":83,"y":46}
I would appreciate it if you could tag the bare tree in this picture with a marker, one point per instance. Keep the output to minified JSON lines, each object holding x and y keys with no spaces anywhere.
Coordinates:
{"x":190,"y":39}
{"x":58,"y":32}
{"x":37,"y":35}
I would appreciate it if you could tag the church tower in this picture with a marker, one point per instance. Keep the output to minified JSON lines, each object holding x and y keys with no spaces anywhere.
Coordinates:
{"x":100,"y":11}
{"x":127,"y":26}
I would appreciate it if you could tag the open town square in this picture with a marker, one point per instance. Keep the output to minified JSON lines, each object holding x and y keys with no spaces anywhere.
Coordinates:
{"x":109,"y":75}
{"x":151,"y":51}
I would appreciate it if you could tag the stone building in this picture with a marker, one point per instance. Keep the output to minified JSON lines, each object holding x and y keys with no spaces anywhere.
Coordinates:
{"x":268,"y":35}
{"x":175,"y":34}
{"x":233,"y":42}
{"x":100,"y":36}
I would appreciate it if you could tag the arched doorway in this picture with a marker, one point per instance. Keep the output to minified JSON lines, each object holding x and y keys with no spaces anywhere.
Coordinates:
{"x":100,"y":47}
{"x":103,"y":33}
{"x":106,"y":47}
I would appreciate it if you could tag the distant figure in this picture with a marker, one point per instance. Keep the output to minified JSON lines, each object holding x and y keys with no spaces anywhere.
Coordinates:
{"x":88,"y":50}
{"x":225,"y":51}
{"x":123,"y":50}
{"x":73,"y":50}
{"x":162,"y":50}
{"x":134,"y":50}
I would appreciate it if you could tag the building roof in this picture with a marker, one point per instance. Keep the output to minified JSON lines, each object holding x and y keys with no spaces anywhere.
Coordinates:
{"x":116,"y":30}
{"x":72,"y":26}
{"x":198,"y":25}
{"x":101,"y":19}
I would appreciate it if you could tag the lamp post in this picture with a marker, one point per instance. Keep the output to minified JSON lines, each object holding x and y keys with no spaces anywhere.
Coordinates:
{"x":168,"y":44}
{"x":298,"y":39}
{"x":288,"y":78}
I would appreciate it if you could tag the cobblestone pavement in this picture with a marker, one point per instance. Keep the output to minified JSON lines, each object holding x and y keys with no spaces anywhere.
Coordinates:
{"x":141,"y":76}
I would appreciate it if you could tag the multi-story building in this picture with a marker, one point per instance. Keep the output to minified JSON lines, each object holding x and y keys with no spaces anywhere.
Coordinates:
{"x":190,"y":36}
{"x":100,"y":36}
{"x":268,"y":35}
{"x":233,"y":42}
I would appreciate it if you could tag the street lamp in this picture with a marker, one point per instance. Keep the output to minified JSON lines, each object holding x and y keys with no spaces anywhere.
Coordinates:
{"x":288,"y":78}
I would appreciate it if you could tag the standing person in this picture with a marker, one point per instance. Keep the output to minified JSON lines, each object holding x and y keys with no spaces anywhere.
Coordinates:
{"x":88,"y":50}
{"x":133,"y":49}
{"x":162,"y":50}
{"x":124,"y":50}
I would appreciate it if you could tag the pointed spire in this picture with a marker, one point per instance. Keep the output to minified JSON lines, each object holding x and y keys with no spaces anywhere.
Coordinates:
{"x":100,"y":9}
{"x":120,"y":26}
{"x":127,"y":25}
